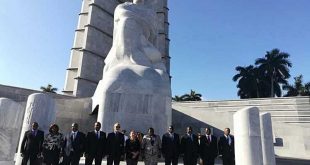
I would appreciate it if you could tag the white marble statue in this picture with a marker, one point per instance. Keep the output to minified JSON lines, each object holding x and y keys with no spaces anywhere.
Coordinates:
{"x":134,"y":37}
{"x":135,"y":87}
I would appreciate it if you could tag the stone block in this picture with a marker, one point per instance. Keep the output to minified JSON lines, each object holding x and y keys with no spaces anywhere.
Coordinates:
{"x":79,"y":39}
{"x":248,"y":147}
{"x":83,"y":20}
{"x":97,"y":41}
{"x":41,"y":109}
{"x":90,"y":64}
{"x":84,"y":88}
{"x":101,"y":20}
{"x":107,"y":5}
{"x":11,"y":114}
{"x":77,"y":111}
{"x":267,"y":139}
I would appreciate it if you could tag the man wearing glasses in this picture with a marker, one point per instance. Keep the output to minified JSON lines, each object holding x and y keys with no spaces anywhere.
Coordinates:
{"x":115,"y":145}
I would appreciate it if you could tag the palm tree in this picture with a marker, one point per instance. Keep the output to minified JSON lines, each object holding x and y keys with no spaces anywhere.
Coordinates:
{"x":177,"y":98}
{"x":298,"y":88}
{"x":48,"y":88}
{"x":248,"y":81}
{"x":275,"y":65}
{"x":192,"y":96}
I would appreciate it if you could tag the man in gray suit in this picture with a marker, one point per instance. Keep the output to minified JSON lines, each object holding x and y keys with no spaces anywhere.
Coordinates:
{"x":74,"y":146}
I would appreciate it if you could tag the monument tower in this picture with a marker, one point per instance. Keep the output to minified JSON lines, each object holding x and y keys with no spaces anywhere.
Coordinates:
{"x":93,"y":40}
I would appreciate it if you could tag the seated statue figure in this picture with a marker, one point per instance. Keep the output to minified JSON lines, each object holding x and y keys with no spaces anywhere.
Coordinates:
{"x":134,"y":37}
{"x":134,"y":63}
{"x":134,"y":80}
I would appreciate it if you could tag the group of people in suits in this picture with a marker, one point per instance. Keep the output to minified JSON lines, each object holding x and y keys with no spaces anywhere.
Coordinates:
{"x":193,"y":147}
{"x":67,"y":149}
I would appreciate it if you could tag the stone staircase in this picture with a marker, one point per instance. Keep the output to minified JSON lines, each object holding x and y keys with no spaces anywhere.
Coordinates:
{"x":290,"y":120}
{"x":292,"y":110}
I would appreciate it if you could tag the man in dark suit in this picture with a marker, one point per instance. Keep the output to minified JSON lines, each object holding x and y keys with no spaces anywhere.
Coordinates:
{"x":226,"y":148}
{"x":95,"y":145}
{"x":73,"y":146}
{"x":171,"y":147}
{"x":31,"y":147}
{"x":208,"y":148}
{"x":115,"y":147}
{"x":189,"y":147}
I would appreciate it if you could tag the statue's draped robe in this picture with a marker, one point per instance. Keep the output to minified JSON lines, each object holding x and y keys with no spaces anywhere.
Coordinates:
{"x":135,"y":87}
{"x":134,"y":38}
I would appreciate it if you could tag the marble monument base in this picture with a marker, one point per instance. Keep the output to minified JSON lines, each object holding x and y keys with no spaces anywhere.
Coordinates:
{"x":135,"y":111}
{"x":138,"y":97}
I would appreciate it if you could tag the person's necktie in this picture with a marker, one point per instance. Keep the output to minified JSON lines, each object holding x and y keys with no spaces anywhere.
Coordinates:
{"x":208,"y":139}
{"x":171,"y":136}
{"x":98,"y":135}
{"x":227,"y":138}
{"x":152,"y":140}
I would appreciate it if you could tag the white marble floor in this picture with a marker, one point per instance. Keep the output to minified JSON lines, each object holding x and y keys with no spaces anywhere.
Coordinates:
{"x":104,"y":162}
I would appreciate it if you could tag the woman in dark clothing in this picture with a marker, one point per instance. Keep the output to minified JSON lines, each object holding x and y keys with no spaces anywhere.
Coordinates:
{"x":132,"y":149}
{"x":52,"y":145}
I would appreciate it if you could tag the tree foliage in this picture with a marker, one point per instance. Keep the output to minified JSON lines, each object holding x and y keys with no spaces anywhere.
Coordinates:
{"x":266,"y":78}
{"x":192,"y":96}
{"x":298,"y":88}
{"x":275,"y":67}
{"x":247,"y":81}
{"x":48,"y":88}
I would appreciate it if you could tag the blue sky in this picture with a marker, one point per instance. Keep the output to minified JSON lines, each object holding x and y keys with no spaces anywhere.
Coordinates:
{"x":209,"y":39}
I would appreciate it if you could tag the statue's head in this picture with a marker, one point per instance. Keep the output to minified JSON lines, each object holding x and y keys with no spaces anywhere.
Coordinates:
{"x":138,"y":1}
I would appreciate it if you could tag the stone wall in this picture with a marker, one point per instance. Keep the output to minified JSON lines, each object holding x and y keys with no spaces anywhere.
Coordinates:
{"x":11,"y":115}
{"x":75,"y":110}
{"x":290,"y":119}
{"x":21,"y":94}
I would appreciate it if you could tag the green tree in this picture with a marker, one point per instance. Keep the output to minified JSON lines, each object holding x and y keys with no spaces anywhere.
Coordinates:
{"x":192,"y":96}
{"x":298,"y":88}
{"x":275,"y":66}
{"x":48,"y":88}
{"x":177,"y":98}
{"x":248,"y":81}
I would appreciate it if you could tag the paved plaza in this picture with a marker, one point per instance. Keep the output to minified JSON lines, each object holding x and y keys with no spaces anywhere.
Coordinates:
{"x":280,"y":161}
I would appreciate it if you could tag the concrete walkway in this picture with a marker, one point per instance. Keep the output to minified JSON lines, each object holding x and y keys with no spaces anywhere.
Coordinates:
{"x":280,"y":161}
{"x":104,"y":162}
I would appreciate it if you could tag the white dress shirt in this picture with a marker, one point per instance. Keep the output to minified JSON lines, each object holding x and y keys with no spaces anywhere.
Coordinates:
{"x":229,"y":139}
{"x":209,"y":138}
